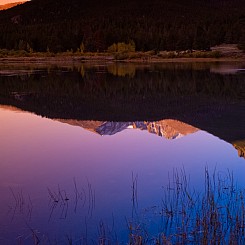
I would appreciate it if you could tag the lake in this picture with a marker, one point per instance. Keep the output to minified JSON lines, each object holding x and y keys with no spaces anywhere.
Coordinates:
{"x":89,"y":150}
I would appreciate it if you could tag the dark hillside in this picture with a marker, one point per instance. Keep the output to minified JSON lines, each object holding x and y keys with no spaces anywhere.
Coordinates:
{"x":152,"y":24}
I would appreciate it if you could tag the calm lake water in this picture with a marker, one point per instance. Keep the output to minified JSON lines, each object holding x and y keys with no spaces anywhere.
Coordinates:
{"x":87,"y":150}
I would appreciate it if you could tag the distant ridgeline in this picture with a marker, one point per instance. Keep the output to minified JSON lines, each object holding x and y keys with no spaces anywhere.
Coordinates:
{"x":10,"y":5}
{"x":94,"y":25}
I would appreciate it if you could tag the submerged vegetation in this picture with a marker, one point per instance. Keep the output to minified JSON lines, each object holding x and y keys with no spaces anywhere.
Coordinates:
{"x":213,"y":214}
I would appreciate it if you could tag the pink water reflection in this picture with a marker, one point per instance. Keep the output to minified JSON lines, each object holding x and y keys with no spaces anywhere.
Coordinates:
{"x":37,"y":153}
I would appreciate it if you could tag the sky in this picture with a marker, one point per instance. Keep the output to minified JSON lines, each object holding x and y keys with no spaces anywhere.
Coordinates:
{"x":9,"y":1}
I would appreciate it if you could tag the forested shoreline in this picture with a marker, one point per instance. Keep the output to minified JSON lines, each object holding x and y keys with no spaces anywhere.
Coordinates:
{"x":94,"y":26}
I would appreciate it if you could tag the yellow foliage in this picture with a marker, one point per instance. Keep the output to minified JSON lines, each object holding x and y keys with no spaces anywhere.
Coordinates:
{"x":122,"y":47}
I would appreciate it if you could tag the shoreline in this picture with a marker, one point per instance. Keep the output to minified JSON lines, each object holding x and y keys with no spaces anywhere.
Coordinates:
{"x":111,"y":59}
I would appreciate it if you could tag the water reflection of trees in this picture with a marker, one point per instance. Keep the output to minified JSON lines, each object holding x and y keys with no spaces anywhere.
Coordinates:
{"x":209,"y":101}
{"x":126,"y":82}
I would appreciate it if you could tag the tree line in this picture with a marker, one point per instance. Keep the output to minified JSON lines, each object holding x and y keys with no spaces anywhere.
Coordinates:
{"x":93,"y":26}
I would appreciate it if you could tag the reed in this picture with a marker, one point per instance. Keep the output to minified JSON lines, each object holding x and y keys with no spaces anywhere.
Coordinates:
{"x":215,"y":215}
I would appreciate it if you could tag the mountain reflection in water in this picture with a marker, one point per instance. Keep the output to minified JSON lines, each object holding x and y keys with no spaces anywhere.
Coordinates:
{"x":71,"y":179}
{"x":208,"y":96}
{"x":170,"y":129}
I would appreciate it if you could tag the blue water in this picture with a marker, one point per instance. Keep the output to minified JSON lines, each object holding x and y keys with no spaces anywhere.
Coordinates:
{"x":38,"y":154}
{"x":60,"y":182}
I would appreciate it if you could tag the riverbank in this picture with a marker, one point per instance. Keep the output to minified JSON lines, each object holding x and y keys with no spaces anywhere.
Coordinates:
{"x":220,"y":53}
{"x":73,"y":59}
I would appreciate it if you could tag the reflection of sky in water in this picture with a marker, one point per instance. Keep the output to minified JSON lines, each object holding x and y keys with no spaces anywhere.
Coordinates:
{"x":37,"y":153}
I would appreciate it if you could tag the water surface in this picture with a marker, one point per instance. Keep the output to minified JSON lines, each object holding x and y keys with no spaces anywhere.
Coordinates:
{"x":87,"y":149}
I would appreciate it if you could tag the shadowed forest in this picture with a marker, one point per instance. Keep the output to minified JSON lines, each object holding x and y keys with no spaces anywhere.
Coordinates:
{"x":93,"y":25}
